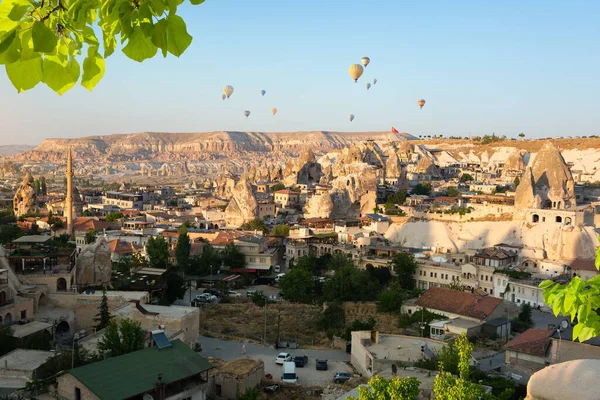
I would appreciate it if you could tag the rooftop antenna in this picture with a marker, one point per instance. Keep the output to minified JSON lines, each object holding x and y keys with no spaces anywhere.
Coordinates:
{"x":564,"y":324}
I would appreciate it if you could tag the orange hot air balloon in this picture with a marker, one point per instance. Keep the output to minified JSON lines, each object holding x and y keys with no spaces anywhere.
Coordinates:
{"x":421,"y":103}
{"x":356,"y":71}
{"x":274,"y":111}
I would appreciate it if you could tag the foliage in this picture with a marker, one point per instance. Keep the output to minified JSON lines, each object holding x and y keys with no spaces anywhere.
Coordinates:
{"x":452,"y":191}
{"x":333,"y":318}
{"x":259,"y":299}
{"x":158,"y":252}
{"x":298,"y":285}
{"x":256,"y":224}
{"x":7,"y":217}
{"x":447,"y":355}
{"x":249,"y":394}
{"x":421,"y":316}
{"x":200,"y":265}
{"x":103,"y":317}
{"x":524,"y":319}
{"x":184,"y":246}
{"x":121,"y":339}
{"x":380,"y":388}
{"x":456,"y":285}
{"x":381,"y":274}
{"x":517,"y":181}
{"x":397,"y":198}
{"x":404,"y":265}
{"x":423,"y":189}
{"x":350,"y":284}
{"x":232,"y":257}
{"x":466,"y":178}
{"x":358,"y":325}
{"x":337,"y":261}
{"x":487,"y":139}
{"x":90,"y":236}
{"x":391,"y":299}
{"x":280,"y":231}
{"x":44,"y":41}
{"x":521,"y":135}
{"x":514,"y":274}
{"x":9,"y":233}
{"x":175,"y":287}
{"x":278,"y":186}
{"x":7,"y":342}
{"x":116,"y":216}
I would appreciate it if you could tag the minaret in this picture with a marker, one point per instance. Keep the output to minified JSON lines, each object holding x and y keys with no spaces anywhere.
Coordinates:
{"x":69,"y":199}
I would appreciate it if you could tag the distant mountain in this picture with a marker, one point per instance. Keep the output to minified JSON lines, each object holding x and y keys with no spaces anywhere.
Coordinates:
{"x":162,"y":146}
{"x":10,"y":149}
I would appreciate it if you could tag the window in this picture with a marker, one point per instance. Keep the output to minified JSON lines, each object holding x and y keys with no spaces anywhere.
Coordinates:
{"x":263,"y":260}
{"x":431,"y":274}
{"x":77,"y":393}
{"x":252,"y":259}
{"x":218,"y":390}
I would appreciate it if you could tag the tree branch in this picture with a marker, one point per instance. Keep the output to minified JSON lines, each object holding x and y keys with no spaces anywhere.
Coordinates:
{"x":57,"y":7}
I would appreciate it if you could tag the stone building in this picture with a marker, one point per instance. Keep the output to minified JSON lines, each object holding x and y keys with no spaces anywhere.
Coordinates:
{"x":233,"y":377}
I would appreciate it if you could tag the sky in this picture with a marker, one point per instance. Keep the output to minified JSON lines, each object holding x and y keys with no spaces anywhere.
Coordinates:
{"x":483,"y":66}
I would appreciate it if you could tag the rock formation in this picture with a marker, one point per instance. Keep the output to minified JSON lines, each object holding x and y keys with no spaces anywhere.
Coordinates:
{"x":392,"y":167}
{"x":25,"y":200}
{"x":576,"y":379}
{"x":514,"y":163}
{"x":550,"y":181}
{"x":426,"y":167}
{"x":243,"y":205}
{"x":93,"y":266}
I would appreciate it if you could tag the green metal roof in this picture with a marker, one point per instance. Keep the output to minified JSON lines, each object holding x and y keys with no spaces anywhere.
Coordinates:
{"x":135,"y":373}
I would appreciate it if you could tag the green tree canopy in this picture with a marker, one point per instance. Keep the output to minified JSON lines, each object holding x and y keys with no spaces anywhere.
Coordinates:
{"x":103,"y":317}
{"x":175,"y":287}
{"x":404,"y":265}
{"x":380,"y":388}
{"x":423,"y":189}
{"x":466,"y":178}
{"x":184,"y":246}
{"x":350,"y":284}
{"x":397,"y":198}
{"x":452,"y":191}
{"x":333,"y":317}
{"x":158,"y":252}
{"x":280,"y":231}
{"x":44,"y":41}
{"x":390,"y":300}
{"x":113,"y":217}
{"x":121,"y":339}
{"x":298,"y":285}
{"x":256,"y":224}
{"x":233,"y":257}
{"x":90,"y":236}
{"x":278,"y":186}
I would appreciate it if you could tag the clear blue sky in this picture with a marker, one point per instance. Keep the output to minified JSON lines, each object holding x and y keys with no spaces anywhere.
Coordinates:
{"x":483,"y":66}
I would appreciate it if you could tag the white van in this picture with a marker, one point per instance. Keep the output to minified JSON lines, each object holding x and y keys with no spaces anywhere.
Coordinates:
{"x":289,"y":372}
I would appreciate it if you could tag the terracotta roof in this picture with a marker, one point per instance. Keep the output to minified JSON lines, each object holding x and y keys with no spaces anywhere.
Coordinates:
{"x":586,"y":265}
{"x":122,"y":247}
{"x":225,"y":238}
{"x":85,"y":224}
{"x":460,"y":303}
{"x":532,"y":341}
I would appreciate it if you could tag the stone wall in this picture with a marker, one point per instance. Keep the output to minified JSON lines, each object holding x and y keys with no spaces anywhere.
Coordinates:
{"x":49,"y":280}
{"x":565,"y":350}
{"x":66,"y":385}
{"x":523,"y":360}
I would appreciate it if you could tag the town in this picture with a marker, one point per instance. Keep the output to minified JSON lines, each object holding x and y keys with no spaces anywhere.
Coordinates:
{"x":297,"y":273}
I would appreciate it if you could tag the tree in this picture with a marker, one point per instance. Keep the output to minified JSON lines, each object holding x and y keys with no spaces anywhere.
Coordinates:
{"x":158,"y":252}
{"x":90,"y":236}
{"x":359,"y":325}
{"x":297,"y":285}
{"x":456,"y":285}
{"x":338,"y":261}
{"x":333,"y":318}
{"x":103,"y":317}
{"x":380,"y":388}
{"x":350,"y":284}
{"x":278,"y":186}
{"x":466,"y":178}
{"x":423,"y":189}
{"x":36,"y":187}
{"x":381,"y":274}
{"x":200,"y":265}
{"x":43,"y":41}
{"x":391,"y":299}
{"x":9,"y":233}
{"x":404,"y":265}
{"x":43,"y":186}
{"x":7,"y":341}
{"x":517,"y":181}
{"x":280,"y":231}
{"x":452,"y":191}
{"x":256,"y":224}
{"x":397,"y":198}
{"x":233,"y":257}
{"x":113,"y":217}
{"x":521,"y":135}
{"x":121,"y":339}
{"x":525,"y":321}
{"x":175,"y":287}
{"x":184,"y":246}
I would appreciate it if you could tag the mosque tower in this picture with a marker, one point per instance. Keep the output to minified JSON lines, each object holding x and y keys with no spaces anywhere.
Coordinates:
{"x":69,"y":200}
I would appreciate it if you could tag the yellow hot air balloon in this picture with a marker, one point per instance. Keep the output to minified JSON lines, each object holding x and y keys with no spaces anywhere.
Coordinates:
{"x":421,"y":103}
{"x":274,"y":111}
{"x":356,"y":71}
{"x":228,"y":90}
{"x":247,"y":113}
{"x":365,"y":61}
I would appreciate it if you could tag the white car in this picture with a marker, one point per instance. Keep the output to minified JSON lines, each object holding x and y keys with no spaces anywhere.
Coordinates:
{"x":234,"y":294}
{"x":283,"y":357}
{"x":206,"y":297}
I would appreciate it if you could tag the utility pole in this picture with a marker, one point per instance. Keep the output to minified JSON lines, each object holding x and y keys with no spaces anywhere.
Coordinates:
{"x":265,"y":337}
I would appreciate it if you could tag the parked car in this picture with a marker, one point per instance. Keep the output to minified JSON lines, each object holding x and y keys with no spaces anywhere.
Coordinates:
{"x":214,"y":292}
{"x":321,"y":364}
{"x":283,"y":357}
{"x":271,"y":388}
{"x":289,"y":372}
{"x":301,"y":361}
{"x":250,"y":292}
{"x":206,"y":298}
{"x":231,"y":293}
{"x":341,"y":377}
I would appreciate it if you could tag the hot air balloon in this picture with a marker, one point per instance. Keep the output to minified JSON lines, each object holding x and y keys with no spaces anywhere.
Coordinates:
{"x":421,"y":103}
{"x":223,"y":96}
{"x":356,"y":71}
{"x":365,"y":61}
{"x":374,"y":81}
{"x":247,"y":113}
{"x":263,"y":92}
{"x":274,"y":111}
{"x":228,"y":90}
{"x":351,"y":117}
{"x":368,"y":85}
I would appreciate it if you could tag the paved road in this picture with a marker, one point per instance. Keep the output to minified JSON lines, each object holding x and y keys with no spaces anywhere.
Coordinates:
{"x":542,"y":319}
{"x":230,"y":350}
{"x":492,"y":362}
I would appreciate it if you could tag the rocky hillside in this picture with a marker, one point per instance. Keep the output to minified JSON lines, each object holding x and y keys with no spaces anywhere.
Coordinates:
{"x":10,"y":149}
{"x":196,"y":146}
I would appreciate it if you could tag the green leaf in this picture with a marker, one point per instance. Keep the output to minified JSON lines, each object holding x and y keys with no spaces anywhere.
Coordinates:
{"x":546,"y":284}
{"x":159,"y":37}
{"x":586,"y":333}
{"x":12,"y":52}
{"x":60,"y":76}
{"x":158,"y":6}
{"x":173,"y":6}
{"x":597,"y":262}
{"x":568,"y":303}
{"x":557,"y":304}
{"x":139,"y":47}
{"x":27,"y":52}
{"x":196,"y":2}
{"x":178,"y":39}
{"x":582,"y":313}
{"x":93,"y":71}
{"x":25,"y":75}
{"x":7,"y":40}
{"x":577,"y":331}
{"x":18,"y":11}
{"x":44,"y":40}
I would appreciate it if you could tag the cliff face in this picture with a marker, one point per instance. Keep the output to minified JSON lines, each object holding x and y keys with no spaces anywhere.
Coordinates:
{"x":194,"y":146}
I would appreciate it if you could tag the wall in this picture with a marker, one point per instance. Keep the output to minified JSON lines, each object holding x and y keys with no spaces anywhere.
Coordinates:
{"x":14,"y":309}
{"x":525,"y":360}
{"x":84,"y":306}
{"x":66,"y":385}
{"x":230,"y":384}
{"x":362,"y":360}
{"x":49,"y":280}
{"x":571,"y":351}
